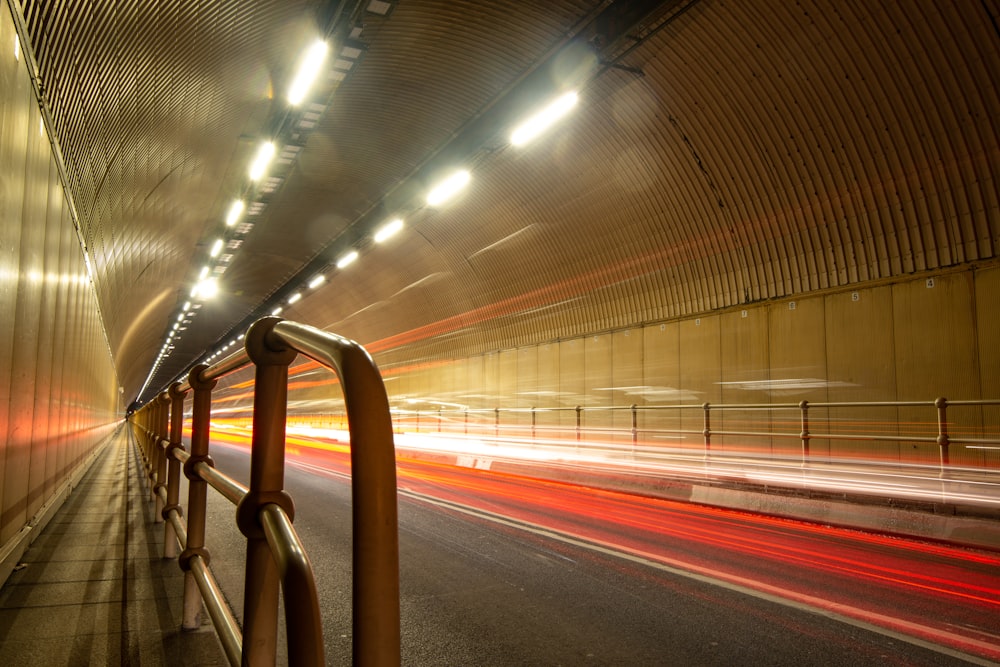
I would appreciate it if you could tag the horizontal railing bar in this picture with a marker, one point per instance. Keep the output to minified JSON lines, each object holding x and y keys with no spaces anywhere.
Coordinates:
{"x":305,"y":632}
{"x":230,"y":489}
{"x":223,"y":620}
{"x":233,"y":362}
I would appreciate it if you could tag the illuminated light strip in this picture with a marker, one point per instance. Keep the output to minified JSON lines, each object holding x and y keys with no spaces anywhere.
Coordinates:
{"x":872,"y":621}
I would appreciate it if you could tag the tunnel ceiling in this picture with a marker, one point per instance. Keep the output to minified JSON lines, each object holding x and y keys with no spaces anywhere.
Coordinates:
{"x":720,"y":153}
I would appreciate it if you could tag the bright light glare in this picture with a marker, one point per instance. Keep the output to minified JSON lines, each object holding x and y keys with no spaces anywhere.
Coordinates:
{"x":388,"y":230}
{"x":448,"y":188}
{"x":216,"y":248}
{"x":261,"y":160}
{"x":17,"y":48}
{"x":235,"y":211}
{"x":203,"y":273}
{"x":276,"y":310}
{"x":544,"y":119}
{"x":308,"y":69}
{"x":294,"y":298}
{"x":317,"y":281}
{"x":347,"y":259}
{"x":206,"y":289}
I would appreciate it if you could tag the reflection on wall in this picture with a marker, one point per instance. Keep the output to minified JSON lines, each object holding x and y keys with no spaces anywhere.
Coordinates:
{"x":913,"y":340}
{"x":58,"y":393}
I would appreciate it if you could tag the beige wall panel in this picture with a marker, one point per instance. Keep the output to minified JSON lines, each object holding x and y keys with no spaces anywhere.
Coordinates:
{"x":627,"y":377}
{"x":744,"y":377}
{"x":40,"y":482}
{"x":15,"y":104}
{"x":797,"y":354}
{"x":700,"y":370}
{"x":548,"y":395}
{"x":598,"y":389}
{"x":572,"y":379}
{"x":20,"y":454}
{"x":988,"y":335}
{"x":527,"y":377}
{"x":935,"y":349}
{"x":662,"y":381}
{"x":507,"y":380}
{"x":860,"y":367}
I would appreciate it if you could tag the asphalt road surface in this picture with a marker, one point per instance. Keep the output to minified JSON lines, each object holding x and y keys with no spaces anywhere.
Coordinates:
{"x":502,"y":570}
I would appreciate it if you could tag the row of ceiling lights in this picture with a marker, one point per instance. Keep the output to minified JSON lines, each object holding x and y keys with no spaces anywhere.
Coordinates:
{"x":443,"y":191}
{"x":311,"y":65}
{"x":207,"y":284}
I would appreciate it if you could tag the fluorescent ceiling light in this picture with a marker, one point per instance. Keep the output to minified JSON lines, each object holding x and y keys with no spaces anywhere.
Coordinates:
{"x":216,"y":248}
{"x":448,"y":188}
{"x":308,"y":69}
{"x":544,"y":119}
{"x":203,"y":273}
{"x":388,"y":230}
{"x":235,"y":211}
{"x":347,"y":259}
{"x":317,"y":281}
{"x":294,"y":298}
{"x":261,"y":160}
{"x":206,"y":288}
{"x":187,"y":306}
{"x":276,"y":310}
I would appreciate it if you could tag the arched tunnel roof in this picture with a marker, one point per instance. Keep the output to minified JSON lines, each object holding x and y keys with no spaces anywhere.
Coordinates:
{"x":720,"y":153}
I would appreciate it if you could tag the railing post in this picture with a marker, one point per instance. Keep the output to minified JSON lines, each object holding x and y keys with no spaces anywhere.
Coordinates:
{"x":635,"y":427}
{"x":941,"y":403}
{"x":267,"y":478}
{"x":173,"y":469}
{"x":579,"y":414}
{"x":496,"y":423}
{"x":439,"y":419}
{"x":467,"y":421}
{"x":532,"y":423}
{"x":159,"y":459}
{"x":804,"y":432}
{"x":201,"y":406}
{"x":707,"y":429}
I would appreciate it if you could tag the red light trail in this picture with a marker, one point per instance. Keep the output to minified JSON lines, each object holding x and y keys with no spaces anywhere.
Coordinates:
{"x":925,"y":593}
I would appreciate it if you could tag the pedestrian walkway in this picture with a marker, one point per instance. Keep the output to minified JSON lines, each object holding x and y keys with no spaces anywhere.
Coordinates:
{"x":93,"y":587}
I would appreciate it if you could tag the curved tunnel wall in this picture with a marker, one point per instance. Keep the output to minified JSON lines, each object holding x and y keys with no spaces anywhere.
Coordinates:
{"x":58,"y":389}
{"x":768,"y":155}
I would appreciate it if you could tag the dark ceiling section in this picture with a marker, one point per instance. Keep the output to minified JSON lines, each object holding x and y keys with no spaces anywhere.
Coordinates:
{"x":721,"y":153}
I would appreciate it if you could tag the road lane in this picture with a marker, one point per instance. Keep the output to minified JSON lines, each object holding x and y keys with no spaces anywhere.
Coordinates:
{"x":505,"y":570}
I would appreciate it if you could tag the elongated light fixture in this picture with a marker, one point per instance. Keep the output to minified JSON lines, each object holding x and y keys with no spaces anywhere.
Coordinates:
{"x":216,"y":248}
{"x":309,"y":68}
{"x":235,"y":211}
{"x":261,"y":160}
{"x":449,"y":187}
{"x":347,"y":259}
{"x":543,"y":119}
{"x":388,"y":230}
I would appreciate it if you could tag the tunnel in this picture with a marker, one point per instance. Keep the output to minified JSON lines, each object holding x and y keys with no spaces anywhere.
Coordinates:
{"x":579,"y":229}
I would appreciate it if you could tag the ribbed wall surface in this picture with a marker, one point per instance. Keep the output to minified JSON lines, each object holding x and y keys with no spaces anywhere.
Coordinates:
{"x":58,"y":389}
{"x":735,"y":153}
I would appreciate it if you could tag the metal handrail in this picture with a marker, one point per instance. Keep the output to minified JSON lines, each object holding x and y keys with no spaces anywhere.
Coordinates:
{"x":274,"y":552}
{"x":944,"y":437}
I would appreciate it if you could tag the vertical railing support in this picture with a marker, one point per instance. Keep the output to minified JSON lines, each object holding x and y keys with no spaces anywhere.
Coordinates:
{"x":532,"y":424}
{"x":706,"y":430}
{"x":804,"y":431}
{"x":160,"y":461}
{"x":267,"y":479}
{"x":941,"y":403}
{"x":201,"y":404}
{"x":496,"y":422}
{"x":635,"y":427}
{"x":579,"y":418}
{"x":173,"y":469}
{"x":439,"y":419}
